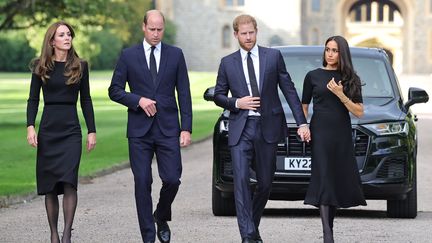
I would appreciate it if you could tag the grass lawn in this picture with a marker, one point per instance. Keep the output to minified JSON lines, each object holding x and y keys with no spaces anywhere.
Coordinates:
{"x":17,"y":158}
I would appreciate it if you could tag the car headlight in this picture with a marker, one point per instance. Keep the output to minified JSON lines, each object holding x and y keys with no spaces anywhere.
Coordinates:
{"x":223,"y":126}
{"x":388,"y":128}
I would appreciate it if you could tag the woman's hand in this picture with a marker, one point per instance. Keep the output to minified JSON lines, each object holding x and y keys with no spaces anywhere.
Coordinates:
{"x":32,"y":136}
{"x":91,"y":141}
{"x":336,"y":88}
{"x":304,"y":133}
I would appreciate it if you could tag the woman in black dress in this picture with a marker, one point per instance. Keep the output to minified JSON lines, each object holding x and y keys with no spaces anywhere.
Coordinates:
{"x":336,"y":91}
{"x":62,"y":75}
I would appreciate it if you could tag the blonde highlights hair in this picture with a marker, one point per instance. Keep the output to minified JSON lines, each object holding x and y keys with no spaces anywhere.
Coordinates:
{"x":243,"y":19}
{"x":44,"y":64}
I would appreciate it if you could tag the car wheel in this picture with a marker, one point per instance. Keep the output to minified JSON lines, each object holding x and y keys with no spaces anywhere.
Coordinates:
{"x":406,"y":208}
{"x":222,"y":206}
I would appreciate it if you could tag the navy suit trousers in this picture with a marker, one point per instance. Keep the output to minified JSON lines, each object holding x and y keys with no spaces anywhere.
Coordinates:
{"x":141,"y":152}
{"x":252,"y":147}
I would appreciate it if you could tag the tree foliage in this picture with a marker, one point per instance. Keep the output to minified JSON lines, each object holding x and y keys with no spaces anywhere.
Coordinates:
{"x":21,"y":14}
{"x":93,"y":22}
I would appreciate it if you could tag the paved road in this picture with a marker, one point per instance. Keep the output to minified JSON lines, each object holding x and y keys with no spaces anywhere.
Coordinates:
{"x":106,"y":210}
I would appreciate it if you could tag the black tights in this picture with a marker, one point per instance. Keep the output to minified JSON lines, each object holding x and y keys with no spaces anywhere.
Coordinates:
{"x":70,"y":200}
{"x":327,"y":216}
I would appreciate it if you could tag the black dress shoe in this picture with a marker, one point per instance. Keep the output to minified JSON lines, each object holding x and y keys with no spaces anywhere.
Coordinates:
{"x":163,"y":231}
{"x":258,"y":238}
{"x":247,"y":240}
{"x":149,"y":241}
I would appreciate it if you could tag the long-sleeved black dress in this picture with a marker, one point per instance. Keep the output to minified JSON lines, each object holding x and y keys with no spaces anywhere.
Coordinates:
{"x":59,"y":137}
{"x":335,"y":180}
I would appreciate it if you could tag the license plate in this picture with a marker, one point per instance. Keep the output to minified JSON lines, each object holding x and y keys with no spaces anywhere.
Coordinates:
{"x":297,"y":163}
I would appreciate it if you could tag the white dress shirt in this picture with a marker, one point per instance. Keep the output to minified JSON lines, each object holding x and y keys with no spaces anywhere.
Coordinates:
{"x":255,"y":60}
{"x":157,"y":53}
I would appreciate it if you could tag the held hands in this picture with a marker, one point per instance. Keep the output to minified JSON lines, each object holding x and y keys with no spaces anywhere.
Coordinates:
{"x":248,"y":103}
{"x":91,"y":141}
{"x":148,"y":105}
{"x":336,"y":88}
{"x":185,"y":138}
{"x":304,"y":133}
{"x":32,"y":136}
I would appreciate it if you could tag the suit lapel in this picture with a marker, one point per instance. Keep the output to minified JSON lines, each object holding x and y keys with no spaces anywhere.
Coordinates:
{"x":262,"y":60}
{"x":143,"y":63}
{"x":162,"y":64}
{"x":241,"y":77}
{"x":141,"y":57}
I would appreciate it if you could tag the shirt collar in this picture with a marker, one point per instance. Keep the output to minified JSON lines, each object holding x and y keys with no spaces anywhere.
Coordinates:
{"x":244,"y":53}
{"x":147,"y":46}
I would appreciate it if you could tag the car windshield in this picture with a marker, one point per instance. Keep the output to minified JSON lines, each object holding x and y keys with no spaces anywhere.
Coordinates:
{"x":372,"y":72}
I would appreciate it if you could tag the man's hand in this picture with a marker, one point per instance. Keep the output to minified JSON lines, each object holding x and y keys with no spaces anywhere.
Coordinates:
{"x":248,"y":103}
{"x":148,"y":105}
{"x":185,"y":138}
{"x":304,"y":133}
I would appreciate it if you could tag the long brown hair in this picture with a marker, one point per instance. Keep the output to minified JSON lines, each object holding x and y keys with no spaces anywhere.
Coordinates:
{"x":44,"y":64}
{"x":350,"y":80}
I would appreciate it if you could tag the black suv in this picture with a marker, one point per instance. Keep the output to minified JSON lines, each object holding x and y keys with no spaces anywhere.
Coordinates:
{"x":385,"y":138}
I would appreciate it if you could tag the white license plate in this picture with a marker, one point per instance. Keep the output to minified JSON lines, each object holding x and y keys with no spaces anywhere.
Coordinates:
{"x":297,"y":163}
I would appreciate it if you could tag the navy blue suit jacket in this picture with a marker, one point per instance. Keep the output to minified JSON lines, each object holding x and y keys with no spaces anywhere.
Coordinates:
{"x":273,"y":73}
{"x":172,"y":75}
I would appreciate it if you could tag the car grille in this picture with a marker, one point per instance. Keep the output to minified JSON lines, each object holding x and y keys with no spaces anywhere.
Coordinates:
{"x":393,"y":167}
{"x":360,"y":141}
{"x":293,"y":147}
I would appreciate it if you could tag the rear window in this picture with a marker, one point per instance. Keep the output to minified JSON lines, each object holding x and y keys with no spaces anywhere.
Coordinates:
{"x":372,"y":72}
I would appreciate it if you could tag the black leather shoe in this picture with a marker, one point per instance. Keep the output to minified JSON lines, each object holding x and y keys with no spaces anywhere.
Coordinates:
{"x":150,"y":241}
{"x":258,"y":238}
{"x":247,"y":240}
{"x":163,"y":231}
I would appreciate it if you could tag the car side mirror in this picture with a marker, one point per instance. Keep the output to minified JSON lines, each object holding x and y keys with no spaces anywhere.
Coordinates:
{"x":416,"y":95}
{"x":209,"y":94}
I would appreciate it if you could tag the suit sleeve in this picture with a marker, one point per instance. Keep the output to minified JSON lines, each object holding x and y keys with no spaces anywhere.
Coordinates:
{"x":116,"y":90}
{"x":33,"y":100}
{"x":184,"y":95}
{"x":86,"y":101}
{"x":221,"y":90}
{"x":288,"y":89}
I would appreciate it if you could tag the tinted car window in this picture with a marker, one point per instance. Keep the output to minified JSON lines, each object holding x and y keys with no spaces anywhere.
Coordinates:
{"x":373,"y":73}
{"x":374,"y":76}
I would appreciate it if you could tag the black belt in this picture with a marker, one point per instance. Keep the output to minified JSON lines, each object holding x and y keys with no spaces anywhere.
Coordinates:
{"x":60,"y":103}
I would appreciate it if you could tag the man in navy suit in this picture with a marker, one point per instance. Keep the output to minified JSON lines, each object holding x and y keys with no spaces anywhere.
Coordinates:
{"x":154,"y":71}
{"x":257,"y":121}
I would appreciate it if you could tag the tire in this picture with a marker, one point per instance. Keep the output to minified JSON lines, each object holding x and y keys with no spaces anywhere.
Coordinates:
{"x":406,"y":208}
{"x":222,"y":206}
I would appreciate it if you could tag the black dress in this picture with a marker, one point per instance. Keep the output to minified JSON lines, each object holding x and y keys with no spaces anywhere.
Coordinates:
{"x":335,"y":180}
{"x":59,"y":136}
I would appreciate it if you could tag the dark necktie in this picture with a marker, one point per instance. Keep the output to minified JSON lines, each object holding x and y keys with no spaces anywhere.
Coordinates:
{"x":252,"y":77}
{"x":153,"y":69}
